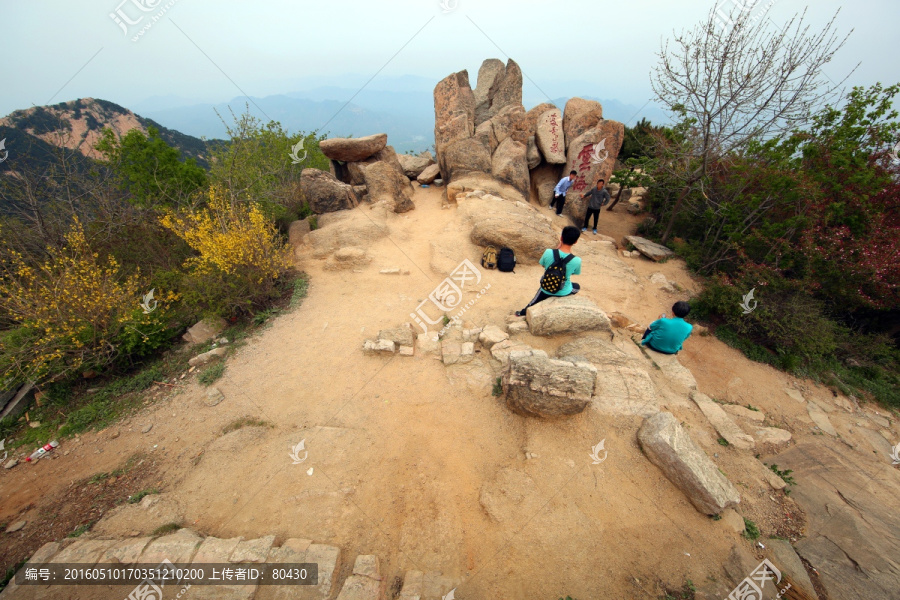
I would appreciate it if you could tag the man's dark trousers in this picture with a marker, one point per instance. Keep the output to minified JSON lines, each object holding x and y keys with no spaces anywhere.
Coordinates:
{"x":559,"y":202}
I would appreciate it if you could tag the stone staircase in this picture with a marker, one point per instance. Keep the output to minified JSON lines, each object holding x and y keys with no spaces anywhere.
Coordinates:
{"x":365,"y":582}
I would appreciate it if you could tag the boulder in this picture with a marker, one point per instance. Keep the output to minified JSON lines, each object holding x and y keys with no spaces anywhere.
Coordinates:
{"x":500,"y":223}
{"x":491,"y":335}
{"x":772,"y":435}
{"x":297,"y":231}
{"x":205,"y":330}
{"x":490,"y":74}
{"x":355,"y":173}
{"x":429,"y":174}
{"x":413,"y":165}
{"x":207,"y":357}
{"x":651,"y":250}
{"x":509,"y":165}
{"x":593,"y":155}
{"x":580,"y":116}
{"x":501,"y":351}
{"x":386,"y":184}
{"x":324,"y":193}
{"x":507,"y":89}
{"x":484,"y":133}
{"x":670,"y":448}
{"x":625,"y":390}
{"x":379,"y":347}
{"x":353,"y":149}
{"x":722,"y":423}
{"x":454,"y":112}
{"x":550,"y":137}
{"x":745,"y":413}
{"x":543,"y":180}
{"x":402,"y":335}
{"x":783,"y":554}
{"x":20,"y":400}
{"x":485,"y":184}
{"x":533,"y":116}
{"x":569,"y":314}
{"x":598,"y":350}
{"x":536,"y":385}
{"x":362,"y":192}
{"x":351,"y":257}
{"x":345,"y":228}
{"x":464,"y":156}
{"x":532,"y":155}
{"x":510,"y":123}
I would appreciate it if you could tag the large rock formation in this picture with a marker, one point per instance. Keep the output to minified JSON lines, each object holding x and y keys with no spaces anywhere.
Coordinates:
{"x":414,"y":165}
{"x":454,"y":115}
{"x":386,"y":184}
{"x":509,"y":165}
{"x":536,"y":385}
{"x":593,"y":155}
{"x":500,"y":223}
{"x":569,"y":314}
{"x":353,"y":149}
{"x":580,"y":116}
{"x":670,"y":448}
{"x":324,"y":193}
{"x":550,"y":137}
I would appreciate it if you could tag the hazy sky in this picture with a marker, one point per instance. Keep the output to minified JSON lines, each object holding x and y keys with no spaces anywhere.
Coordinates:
{"x":206,"y":51}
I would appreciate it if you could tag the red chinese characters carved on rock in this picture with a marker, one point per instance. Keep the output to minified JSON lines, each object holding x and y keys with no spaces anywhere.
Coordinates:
{"x":584,"y":156}
{"x":554,"y":129}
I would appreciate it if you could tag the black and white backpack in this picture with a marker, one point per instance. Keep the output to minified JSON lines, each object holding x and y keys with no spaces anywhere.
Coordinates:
{"x":555,"y":275}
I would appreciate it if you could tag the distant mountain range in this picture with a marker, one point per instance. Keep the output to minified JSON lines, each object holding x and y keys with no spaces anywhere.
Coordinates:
{"x":78,"y":124}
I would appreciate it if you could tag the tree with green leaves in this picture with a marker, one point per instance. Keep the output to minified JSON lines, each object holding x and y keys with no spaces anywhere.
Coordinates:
{"x":149,"y":170}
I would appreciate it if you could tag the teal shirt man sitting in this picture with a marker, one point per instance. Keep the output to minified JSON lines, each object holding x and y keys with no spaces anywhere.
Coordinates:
{"x":667,"y":335}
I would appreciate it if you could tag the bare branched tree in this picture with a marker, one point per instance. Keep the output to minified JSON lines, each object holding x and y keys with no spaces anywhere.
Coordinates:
{"x":736,"y":78}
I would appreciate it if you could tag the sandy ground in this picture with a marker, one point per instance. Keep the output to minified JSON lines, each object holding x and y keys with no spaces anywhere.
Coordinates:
{"x":420,"y":464}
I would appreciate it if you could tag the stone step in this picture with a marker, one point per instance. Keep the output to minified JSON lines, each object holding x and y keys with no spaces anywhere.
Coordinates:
{"x":428,"y":586}
{"x":366,"y":581}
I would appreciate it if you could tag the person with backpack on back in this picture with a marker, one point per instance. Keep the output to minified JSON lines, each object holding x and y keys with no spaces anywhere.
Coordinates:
{"x":560,"y":191}
{"x":560,"y":265}
{"x":599,"y":197}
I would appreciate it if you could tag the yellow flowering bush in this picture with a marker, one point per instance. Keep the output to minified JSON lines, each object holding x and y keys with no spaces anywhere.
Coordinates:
{"x":74,"y":311}
{"x":240,"y":258}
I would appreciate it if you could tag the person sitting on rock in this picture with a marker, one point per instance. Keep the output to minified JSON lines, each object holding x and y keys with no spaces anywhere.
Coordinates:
{"x":599,"y":196}
{"x":667,"y":335}
{"x":572,"y":266}
{"x":559,"y":192}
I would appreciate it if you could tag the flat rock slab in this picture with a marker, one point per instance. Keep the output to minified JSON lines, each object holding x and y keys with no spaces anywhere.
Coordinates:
{"x":569,"y":314}
{"x":178,"y":547}
{"x":757,"y":416}
{"x":651,"y":250}
{"x":772,"y":435}
{"x":679,"y":375}
{"x":820,"y":419}
{"x":722,"y":423}
{"x":623,"y":390}
{"x":536,"y":385}
{"x":353,"y":149}
{"x":783,"y":556}
{"x":366,"y":582}
{"x":670,"y":448}
{"x":853,"y":522}
{"x":204,"y":331}
{"x":795,"y":395}
{"x":207,"y":357}
{"x":502,"y":350}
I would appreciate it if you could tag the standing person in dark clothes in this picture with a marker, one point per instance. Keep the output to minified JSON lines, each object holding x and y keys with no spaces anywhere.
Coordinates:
{"x":559,"y":192}
{"x":599,"y":196}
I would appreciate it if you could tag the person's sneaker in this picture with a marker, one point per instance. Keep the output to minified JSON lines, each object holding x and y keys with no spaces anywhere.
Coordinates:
{"x":595,"y":232}
{"x":519,"y":313}
{"x":583,"y":229}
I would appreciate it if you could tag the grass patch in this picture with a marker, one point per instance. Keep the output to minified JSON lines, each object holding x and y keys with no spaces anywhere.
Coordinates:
{"x":134,"y":499}
{"x":301,"y":288}
{"x":785,"y":475}
{"x":751,"y":531}
{"x":81,"y":529}
{"x":723,"y":442}
{"x":261,"y":317}
{"x":167,"y":528}
{"x":498,"y":387}
{"x":10,"y":573}
{"x":211,"y":374}
{"x":753,"y":408}
{"x":245,"y":422}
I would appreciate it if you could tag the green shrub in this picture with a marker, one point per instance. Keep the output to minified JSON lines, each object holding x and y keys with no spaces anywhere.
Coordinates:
{"x":211,"y":374}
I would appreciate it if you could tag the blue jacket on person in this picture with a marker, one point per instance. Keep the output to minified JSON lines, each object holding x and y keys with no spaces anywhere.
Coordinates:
{"x":667,"y":335}
{"x":563,"y":186}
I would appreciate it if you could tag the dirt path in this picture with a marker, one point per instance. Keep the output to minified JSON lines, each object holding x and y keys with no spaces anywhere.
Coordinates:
{"x":420,"y":464}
